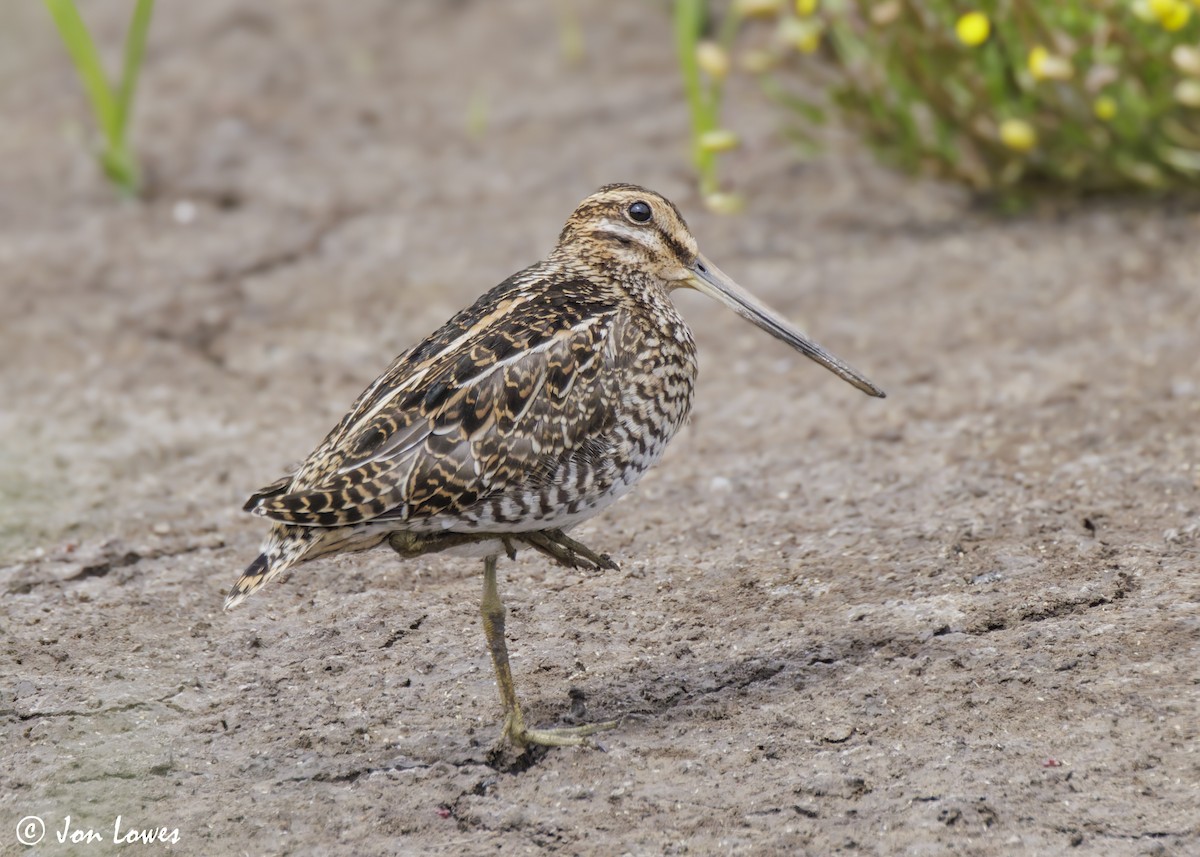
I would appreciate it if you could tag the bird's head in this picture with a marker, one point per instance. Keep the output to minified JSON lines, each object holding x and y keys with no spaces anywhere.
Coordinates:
{"x":627,"y":227}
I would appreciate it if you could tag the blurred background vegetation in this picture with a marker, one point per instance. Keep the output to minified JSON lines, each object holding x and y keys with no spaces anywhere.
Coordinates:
{"x":1010,"y":97}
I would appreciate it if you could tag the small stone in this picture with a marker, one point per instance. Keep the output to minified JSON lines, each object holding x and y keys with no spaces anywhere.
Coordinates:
{"x":838,"y":733}
{"x":183,"y":212}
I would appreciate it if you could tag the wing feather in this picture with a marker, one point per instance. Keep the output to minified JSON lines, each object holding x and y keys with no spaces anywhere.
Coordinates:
{"x":443,"y":431}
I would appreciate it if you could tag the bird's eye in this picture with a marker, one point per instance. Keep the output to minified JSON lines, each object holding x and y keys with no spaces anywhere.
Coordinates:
{"x":639,"y":212}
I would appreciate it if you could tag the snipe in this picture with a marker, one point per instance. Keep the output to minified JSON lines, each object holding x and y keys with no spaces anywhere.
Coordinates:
{"x":523,"y":415}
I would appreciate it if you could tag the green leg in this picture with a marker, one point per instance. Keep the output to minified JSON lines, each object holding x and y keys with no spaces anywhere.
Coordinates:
{"x":492,"y":610}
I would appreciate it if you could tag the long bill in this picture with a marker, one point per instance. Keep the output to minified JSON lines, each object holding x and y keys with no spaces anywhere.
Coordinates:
{"x":712,"y":281}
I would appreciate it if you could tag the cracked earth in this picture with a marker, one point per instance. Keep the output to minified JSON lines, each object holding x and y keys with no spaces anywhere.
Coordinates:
{"x":962,"y":620}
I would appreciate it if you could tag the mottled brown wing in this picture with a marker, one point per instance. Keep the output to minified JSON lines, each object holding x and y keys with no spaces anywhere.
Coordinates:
{"x":489,"y":413}
{"x":276,"y":488}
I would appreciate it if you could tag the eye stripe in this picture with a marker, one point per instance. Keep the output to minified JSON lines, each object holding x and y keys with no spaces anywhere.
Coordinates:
{"x":681,"y":252}
{"x":614,"y":229}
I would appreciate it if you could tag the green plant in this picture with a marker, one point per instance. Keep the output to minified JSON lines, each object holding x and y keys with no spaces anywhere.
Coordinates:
{"x":704,"y":64}
{"x":110,"y":106}
{"x":1087,"y":95}
{"x":1006,"y":96}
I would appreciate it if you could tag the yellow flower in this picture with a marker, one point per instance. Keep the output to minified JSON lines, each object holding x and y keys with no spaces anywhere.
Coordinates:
{"x":1018,"y":135}
{"x":804,"y":8}
{"x":1037,"y":59}
{"x":719,"y":140}
{"x":973,"y":29}
{"x":1105,"y":108}
{"x":1044,"y":65}
{"x":810,"y":42}
{"x":803,"y":35}
{"x":1171,"y":14}
{"x":1178,"y":18}
{"x":713,"y":59}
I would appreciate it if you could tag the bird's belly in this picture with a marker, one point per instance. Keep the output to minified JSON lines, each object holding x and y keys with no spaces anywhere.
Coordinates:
{"x":577,"y":491}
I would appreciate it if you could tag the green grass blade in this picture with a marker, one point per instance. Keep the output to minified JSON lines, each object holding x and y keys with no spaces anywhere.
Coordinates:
{"x":87,"y":63}
{"x":135,"y":49}
{"x":689,"y":21}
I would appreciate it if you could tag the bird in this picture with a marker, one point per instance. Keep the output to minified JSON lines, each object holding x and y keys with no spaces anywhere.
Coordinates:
{"x":525,"y":414}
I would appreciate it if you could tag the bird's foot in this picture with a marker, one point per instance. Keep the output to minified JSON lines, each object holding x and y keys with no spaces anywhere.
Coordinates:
{"x":568,"y":552}
{"x":516,"y":733}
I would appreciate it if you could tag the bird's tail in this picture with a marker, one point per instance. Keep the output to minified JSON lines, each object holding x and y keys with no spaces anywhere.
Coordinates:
{"x":284,"y":547}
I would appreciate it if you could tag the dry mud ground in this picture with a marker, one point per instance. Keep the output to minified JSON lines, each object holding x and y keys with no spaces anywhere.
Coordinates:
{"x":961,"y":620}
